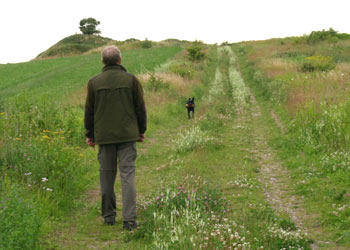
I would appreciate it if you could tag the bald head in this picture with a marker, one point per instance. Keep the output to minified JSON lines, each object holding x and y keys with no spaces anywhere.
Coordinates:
{"x":111,"y":56}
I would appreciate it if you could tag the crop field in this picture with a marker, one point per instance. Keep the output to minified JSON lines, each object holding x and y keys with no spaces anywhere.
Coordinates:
{"x":264,"y":164}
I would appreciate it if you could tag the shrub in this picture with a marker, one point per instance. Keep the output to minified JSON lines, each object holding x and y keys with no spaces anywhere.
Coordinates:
{"x":323,"y":35}
{"x":195,"y":52}
{"x":330,"y":35}
{"x":317,"y":63}
{"x":146,"y":44}
{"x":156,"y":83}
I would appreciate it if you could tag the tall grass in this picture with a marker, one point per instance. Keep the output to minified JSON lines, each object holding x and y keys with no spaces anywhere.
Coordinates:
{"x":308,"y":88}
{"x":43,"y":165}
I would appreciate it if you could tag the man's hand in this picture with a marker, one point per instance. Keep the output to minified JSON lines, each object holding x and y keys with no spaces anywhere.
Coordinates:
{"x":90,"y":142}
{"x":142,"y":138}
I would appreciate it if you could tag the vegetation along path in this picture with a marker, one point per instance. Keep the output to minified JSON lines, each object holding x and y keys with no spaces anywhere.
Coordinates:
{"x":264,"y":164}
{"x":237,"y":161}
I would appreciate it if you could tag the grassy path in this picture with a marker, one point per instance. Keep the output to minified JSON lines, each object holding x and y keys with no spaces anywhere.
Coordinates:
{"x":240,"y":163}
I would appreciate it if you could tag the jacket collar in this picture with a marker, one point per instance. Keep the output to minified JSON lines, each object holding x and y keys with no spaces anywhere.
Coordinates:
{"x":118,"y":67}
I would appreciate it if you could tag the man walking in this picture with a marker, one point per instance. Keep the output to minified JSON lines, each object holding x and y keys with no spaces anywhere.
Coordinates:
{"x":115,"y":118}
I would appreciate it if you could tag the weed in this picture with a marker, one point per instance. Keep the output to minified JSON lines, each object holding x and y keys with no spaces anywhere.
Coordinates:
{"x":20,"y":219}
{"x":191,"y":139}
{"x":317,"y":63}
{"x":190,"y":215}
{"x":183,"y":69}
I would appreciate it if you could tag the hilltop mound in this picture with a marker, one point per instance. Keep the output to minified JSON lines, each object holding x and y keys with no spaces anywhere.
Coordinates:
{"x":74,"y":45}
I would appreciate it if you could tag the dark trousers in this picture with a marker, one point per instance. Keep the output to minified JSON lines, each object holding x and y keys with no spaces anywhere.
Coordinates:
{"x":125,"y":155}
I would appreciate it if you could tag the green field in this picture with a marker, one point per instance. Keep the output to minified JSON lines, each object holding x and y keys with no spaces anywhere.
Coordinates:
{"x":264,"y":164}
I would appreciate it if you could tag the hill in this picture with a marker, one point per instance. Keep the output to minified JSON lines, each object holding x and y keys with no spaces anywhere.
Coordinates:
{"x":79,"y":44}
{"x":74,"y":45}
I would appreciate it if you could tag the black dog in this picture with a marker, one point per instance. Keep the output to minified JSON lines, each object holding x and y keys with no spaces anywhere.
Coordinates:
{"x":190,"y":107}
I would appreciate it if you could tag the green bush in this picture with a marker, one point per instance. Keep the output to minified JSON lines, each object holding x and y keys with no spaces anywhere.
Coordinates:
{"x":329,"y":35}
{"x":323,"y":35}
{"x":195,"y":52}
{"x":146,"y":44}
{"x":156,"y":83}
{"x":317,"y":63}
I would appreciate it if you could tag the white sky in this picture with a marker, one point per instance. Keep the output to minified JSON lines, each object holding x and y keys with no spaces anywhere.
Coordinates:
{"x":29,"y":27}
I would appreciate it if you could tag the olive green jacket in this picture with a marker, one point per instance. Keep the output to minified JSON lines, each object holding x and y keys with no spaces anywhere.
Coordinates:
{"x":115,"y":111}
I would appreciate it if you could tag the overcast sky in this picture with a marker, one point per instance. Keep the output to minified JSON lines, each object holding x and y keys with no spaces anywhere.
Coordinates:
{"x":29,"y":27}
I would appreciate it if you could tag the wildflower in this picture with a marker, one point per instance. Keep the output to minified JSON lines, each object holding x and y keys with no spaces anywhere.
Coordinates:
{"x":29,"y":185}
{"x":46,"y":131}
{"x":81,"y":155}
{"x":46,"y":137}
{"x":2,"y":113}
{"x":18,"y":139}
{"x":49,"y":189}
{"x":29,"y":173}
{"x":44,"y":179}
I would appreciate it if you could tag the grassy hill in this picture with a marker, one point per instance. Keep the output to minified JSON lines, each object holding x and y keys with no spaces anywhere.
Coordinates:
{"x":74,"y":45}
{"x":264,"y":163}
{"x":79,"y":44}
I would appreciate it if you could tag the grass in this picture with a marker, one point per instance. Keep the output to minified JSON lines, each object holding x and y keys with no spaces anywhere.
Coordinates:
{"x":199,"y":181}
{"x":314,"y":108}
{"x":205,"y":196}
{"x":45,"y":166}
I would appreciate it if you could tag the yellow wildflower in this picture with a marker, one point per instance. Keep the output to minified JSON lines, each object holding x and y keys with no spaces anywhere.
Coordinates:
{"x":81,"y":155}
{"x":46,"y":131}
{"x":46,"y":137}
{"x":18,"y":139}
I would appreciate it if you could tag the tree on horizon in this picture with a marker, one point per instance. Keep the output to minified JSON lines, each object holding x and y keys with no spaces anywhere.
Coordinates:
{"x":88,"y":26}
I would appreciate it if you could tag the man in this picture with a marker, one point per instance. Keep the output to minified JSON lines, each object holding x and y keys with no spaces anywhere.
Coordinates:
{"x":115,"y":118}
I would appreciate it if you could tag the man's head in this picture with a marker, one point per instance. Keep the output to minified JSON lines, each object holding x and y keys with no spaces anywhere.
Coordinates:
{"x":111,"y":56}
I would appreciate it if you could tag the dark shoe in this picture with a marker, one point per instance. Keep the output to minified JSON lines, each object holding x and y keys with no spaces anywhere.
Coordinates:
{"x":109,"y":221}
{"x":130,"y":225}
